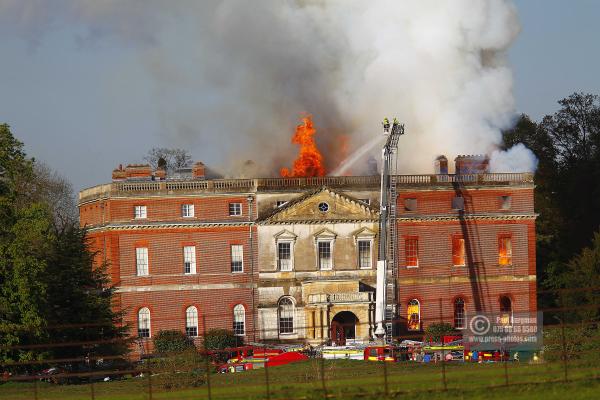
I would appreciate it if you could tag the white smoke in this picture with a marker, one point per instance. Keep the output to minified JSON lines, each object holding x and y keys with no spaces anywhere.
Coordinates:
{"x":233,"y":76}
{"x":517,"y":158}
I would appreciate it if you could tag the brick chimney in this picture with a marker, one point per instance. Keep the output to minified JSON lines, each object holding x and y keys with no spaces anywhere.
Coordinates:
{"x":118,"y":174}
{"x":198,"y":171}
{"x":472,"y":164}
{"x":160,"y":174}
{"x":138,"y":171}
{"x":441,"y":165}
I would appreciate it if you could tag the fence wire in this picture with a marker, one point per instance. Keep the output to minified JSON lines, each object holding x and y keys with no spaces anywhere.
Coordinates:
{"x":570,"y":354}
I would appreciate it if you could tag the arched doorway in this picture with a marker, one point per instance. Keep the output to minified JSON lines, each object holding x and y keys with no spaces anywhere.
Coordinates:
{"x":343,"y":327}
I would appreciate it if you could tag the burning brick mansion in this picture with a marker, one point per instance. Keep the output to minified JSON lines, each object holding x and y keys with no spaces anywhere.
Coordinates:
{"x":294,"y":259}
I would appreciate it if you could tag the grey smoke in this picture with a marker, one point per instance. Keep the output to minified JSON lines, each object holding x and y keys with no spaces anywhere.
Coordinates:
{"x":250,"y":68}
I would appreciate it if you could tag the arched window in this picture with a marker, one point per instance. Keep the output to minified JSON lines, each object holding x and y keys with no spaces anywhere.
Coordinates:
{"x":239,"y":320}
{"x":413,"y":313}
{"x":191,"y":321}
{"x":505,"y":310}
{"x":505,"y":304}
{"x":144,"y":322}
{"x":459,"y":313}
{"x":286,"y":315}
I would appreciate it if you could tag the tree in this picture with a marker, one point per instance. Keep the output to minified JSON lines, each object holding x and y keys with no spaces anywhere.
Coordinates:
{"x":168,"y":159}
{"x":567,"y":144}
{"x":219,"y":339}
{"x":583,"y":272}
{"x":172,"y":341}
{"x":575,"y":134}
{"x":50,"y":291}
{"x":54,"y":190}
{"x":78,"y":298}
{"x":436,"y":331}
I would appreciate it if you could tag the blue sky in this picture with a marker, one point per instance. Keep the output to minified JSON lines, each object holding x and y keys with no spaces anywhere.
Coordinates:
{"x":83,"y":105}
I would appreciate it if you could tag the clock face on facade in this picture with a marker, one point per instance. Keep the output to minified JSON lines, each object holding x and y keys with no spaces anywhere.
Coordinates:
{"x":323,"y":207}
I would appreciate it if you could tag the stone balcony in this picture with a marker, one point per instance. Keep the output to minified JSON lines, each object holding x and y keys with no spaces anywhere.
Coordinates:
{"x":336,"y":298}
{"x":191,"y":186}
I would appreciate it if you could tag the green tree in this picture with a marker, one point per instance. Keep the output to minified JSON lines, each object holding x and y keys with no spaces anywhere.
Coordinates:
{"x":79,"y":297}
{"x":172,"y":341}
{"x":436,"y":331}
{"x":567,"y":144}
{"x":582,"y":271}
{"x":218,"y":339}
{"x":50,"y":291}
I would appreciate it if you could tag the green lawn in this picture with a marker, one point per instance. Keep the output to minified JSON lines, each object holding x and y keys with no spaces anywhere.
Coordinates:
{"x":351,"y":379}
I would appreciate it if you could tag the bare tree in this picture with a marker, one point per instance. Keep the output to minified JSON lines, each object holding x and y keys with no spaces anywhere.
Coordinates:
{"x":56,"y":191}
{"x":169,"y":159}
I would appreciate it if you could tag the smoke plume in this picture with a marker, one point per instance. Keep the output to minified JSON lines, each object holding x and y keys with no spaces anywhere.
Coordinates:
{"x":232,"y":77}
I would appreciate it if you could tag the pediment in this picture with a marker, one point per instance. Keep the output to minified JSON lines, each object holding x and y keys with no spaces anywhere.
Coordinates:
{"x":364,"y":233}
{"x":323,"y":205}
{"x":325,"y":234}
{"x":285,"y":235}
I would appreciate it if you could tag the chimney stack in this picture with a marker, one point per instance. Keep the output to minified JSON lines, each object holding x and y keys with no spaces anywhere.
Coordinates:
{"x":160,"y":174}
{"x":119,"y":174}
{"x":441,"y":165}
{"x":472,"y":164}
{"x":198,"y":171}
{"x":138,"y":171}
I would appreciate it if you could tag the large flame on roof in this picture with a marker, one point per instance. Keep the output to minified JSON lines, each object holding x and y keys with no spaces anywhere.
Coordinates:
{"x":310,"y":160}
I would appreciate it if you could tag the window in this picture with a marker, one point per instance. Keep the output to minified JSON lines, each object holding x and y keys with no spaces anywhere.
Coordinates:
{"x":239,"y":320}
{"x":458,"y":203}
{"x":505,"y":310}
{"x":410,"y":204}
{"x":323,"y":207}
{"x":364,"y":254}
{"x":141,"y":260}
{"x":505,"y":202}
{"x":286,"y":315}
{"x":187,"y":210}
{"x":284,"y":256}
{"x":458,"y":251}
{"x":237,"y":258}
{"x":413,"y":313}
{"x":459,"y":313}
{"x":412,"y":251}
{"x":189,"y":259}
{"x":504,"y":250}
{"x":281,"y":203}
{"x":144,"y":322}
{"x":191,"y":321}
{"x":324,"y":249}
{"x":140,"y":212}
{"x":235,"y":209}
{"x":505,"y":304}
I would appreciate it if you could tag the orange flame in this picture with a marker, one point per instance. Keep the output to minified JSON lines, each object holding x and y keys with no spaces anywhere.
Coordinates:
{"x":310,"y":161}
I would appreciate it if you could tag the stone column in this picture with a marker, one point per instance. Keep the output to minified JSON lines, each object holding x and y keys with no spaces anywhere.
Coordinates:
{"x":310,"y":323}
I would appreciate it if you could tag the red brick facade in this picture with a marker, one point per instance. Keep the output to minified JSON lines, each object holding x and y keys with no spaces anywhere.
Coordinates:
{"x":489,"y":211}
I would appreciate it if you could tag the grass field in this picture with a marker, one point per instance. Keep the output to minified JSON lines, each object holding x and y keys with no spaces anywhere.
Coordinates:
{"x":350,"y":380}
